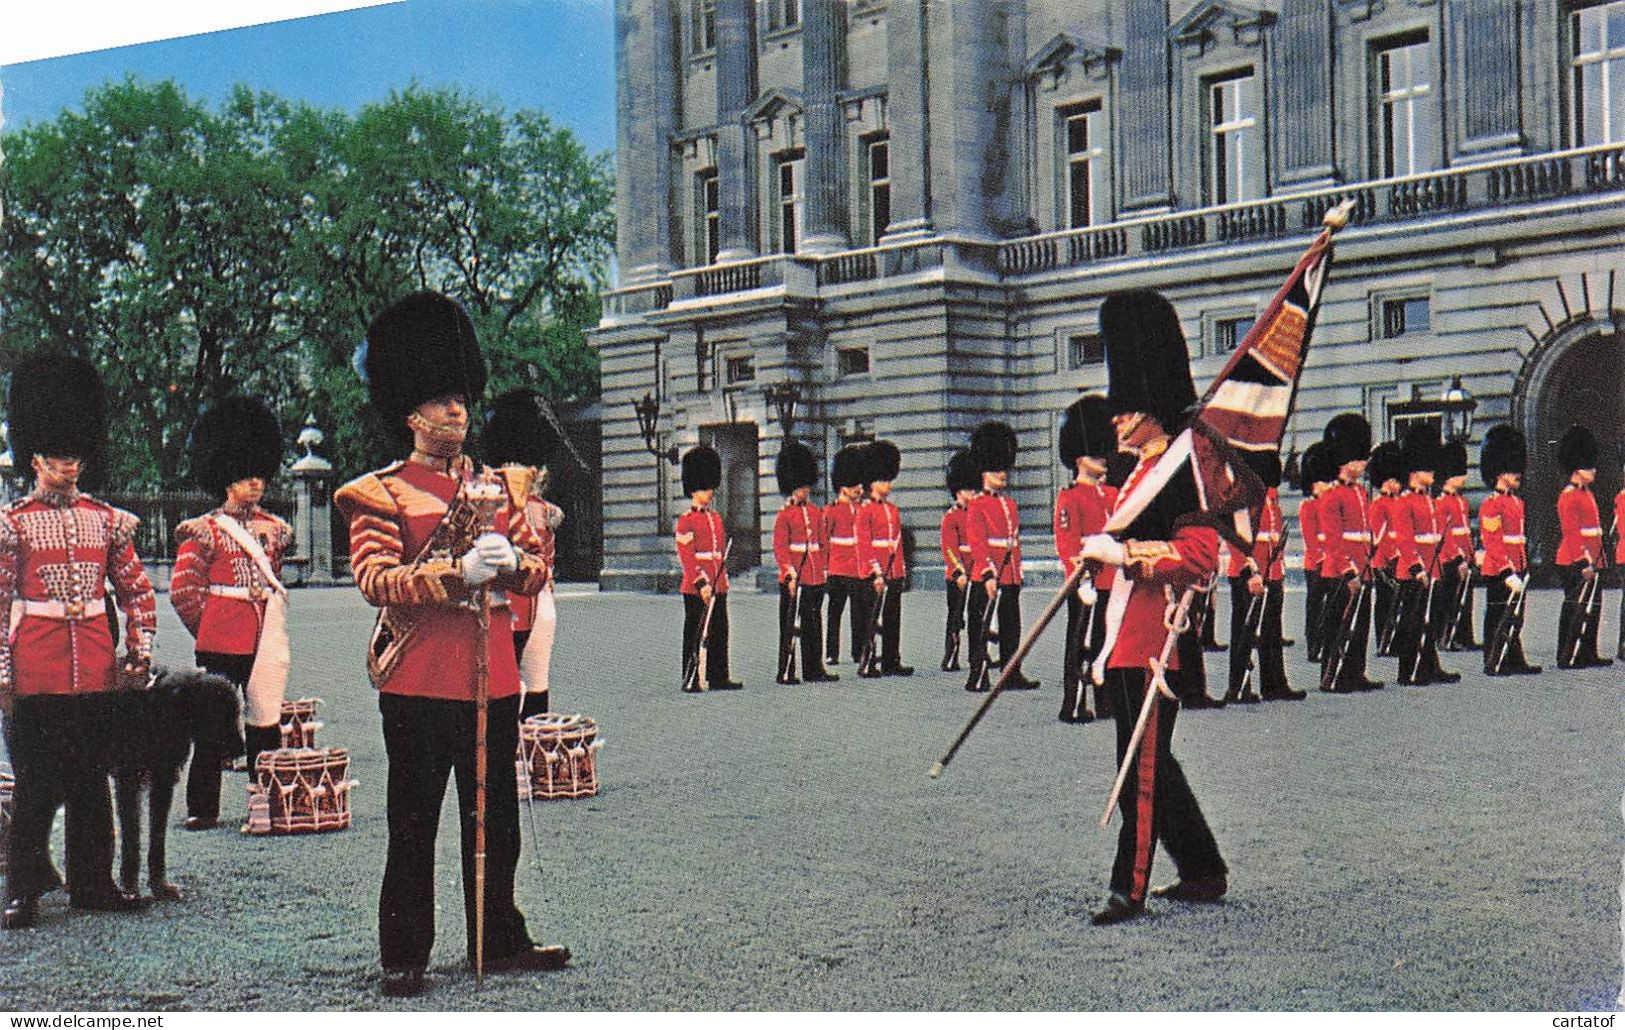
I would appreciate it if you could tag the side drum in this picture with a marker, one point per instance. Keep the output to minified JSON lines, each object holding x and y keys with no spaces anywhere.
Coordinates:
{"x":300,"y":790}
{"x":558,"y":756}
{"x":299,"y":723}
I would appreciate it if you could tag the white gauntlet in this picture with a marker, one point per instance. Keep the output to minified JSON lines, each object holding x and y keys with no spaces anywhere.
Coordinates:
{"x":1105,"y":548}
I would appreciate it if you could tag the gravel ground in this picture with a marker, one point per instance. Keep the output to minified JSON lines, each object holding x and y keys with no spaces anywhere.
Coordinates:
{"x":1438,"y":848}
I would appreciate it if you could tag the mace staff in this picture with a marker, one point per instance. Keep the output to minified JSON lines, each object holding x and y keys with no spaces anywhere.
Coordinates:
{"x":486,"y":495}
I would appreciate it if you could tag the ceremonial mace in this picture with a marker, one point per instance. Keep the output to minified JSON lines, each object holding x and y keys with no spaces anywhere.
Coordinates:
{"x":487,"y":495}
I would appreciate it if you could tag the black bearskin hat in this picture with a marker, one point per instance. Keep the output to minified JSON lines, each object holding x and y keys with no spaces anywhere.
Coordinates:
{"x":881,"y":462}
{"x":1147,"y":365}
{"x":1419,"y":452}
{"x":239,"y":438}
{"x":1451,"y":460}
{"x":963,"y":473}
{"x":1577,"y":450}
{"x":1266,"y":464}
{"x":1347,"y":438}
{"x":419,"y":348}
{"x":702,"y":469}
{"x":1086,"y":431}
{"x":796,"y":467}
{"x":848,"y":469}
{"x":1385,"y":465}
{"x":1315,"y":467}
{"x":517,"y":432}
{"x":57,"y":407}
{"x":1503,"y":451}
{"x":994,"y":445}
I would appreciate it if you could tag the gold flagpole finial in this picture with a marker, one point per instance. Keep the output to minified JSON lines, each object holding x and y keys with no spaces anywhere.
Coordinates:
{"x":1337,"y":217}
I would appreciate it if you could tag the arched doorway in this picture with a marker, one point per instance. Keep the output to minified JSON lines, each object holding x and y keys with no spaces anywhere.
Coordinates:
{"x":1576,"y":375}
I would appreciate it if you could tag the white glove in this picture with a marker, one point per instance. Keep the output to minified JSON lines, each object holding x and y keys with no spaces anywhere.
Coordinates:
{"x":496,"y":551}
{"x":1514,"y":583}
{"x":476,"y":573}
{"x":1105,"y":548}
{"x":1087,"y":592}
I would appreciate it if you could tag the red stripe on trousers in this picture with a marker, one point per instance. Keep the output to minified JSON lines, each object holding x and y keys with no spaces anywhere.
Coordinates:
{"x":1145,"y":788}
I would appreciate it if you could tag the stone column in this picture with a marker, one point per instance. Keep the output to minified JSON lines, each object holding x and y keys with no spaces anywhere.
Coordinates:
{"x":1144,"y":87}
{"x":1304,"y":87}
{"x":908,"y":67}
{"x":822,"y":73}
{"x":645,"y":102}
{"x":736,"y":87}
{"x":312,"y":514}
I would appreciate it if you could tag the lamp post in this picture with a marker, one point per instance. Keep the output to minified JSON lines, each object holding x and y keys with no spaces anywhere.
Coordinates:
{"x":648,"y":413}
{"x":783,"y":398}
{"x":1456,"y":406}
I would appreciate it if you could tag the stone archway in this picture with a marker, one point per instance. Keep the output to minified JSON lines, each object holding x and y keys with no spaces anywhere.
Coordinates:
{"x":1575,"y":375}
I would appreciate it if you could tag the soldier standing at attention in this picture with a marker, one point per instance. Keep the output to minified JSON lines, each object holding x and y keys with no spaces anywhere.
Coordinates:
{"x":701,"y":547}
{"x":963,"y":483}
{"x":1314,"y":479}
{"x":1505,"y":558}
{"x":1382,"y":471}
{"x":880,"y":556}
{"x":1081,"y":509}
{"x":1579,"y":553}
{"x":798,"y":534}
{"x":1345,"y":523}
{"x":1454,"y":627}
{"x":1418,"y":548}
{"x":841,"y":535}
{"x":993,"y":526}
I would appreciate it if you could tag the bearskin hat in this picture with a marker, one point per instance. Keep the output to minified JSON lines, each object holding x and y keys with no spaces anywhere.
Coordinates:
{"x":995,"y":447}
{"x":57,"y":407}
{"x":239,"y":438}
{"x":1452,"y":460}
{"x":963,"y":473}
{"x":1148,"y":367}
{"x":1503,"y":451}
{"x":702,"y":469}
{"x":517,"y":433}
{"x":1384,"y":465}
{"x":1419,"y":452}
{"x":1086,"y":431}
{"x":796,"y":467}
{"x":1266,"y":465}
{"x":1347,"y":438}
{"x":848,"y":468}
{"x":882,"y":461}
{"x":1315,"y":467}
{"x":1577,"y":450}
{"x":419,"y":348}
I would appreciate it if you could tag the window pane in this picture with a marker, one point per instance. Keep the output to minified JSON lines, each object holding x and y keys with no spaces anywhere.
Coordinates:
{"x":1416,"y":315}
{"x":1588,"y":26}
{"x":1616,"y":25}
{"x":878,"y":161}
{"x":1077,"y":134}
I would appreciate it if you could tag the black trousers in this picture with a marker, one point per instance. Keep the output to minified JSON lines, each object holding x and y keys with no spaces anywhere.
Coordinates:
{"x":1386,"y":591}
{"x":1414,"y":645}
{"x":842,"y":588}
{"x":1339,"y":607}
{"x":808,"y":604}
{"x":1210,"y":619}
{"x":1500,"y":654}
{"x":61,"y":747}
{"x":716,"y":656}
{"x":1570,"y":618}
{"x":1622,"y":623}
{"x":1453,"y":609}
{"x":1081,"y":622}
{"x":1008,"y":613}
{"x":426,"y":739}
{"x":203,"y":775}
{"x":891,"y":622}
{"x":1264,"y":637}
{"x":1314,"y":599}
{"x":1156,"y":803}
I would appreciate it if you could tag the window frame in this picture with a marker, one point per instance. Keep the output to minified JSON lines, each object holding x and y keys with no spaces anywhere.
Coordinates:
{"x":876,"y":187}
{"x":1383,"y":101}
{"x":708,"y":216}
{"x":795,"y":162}
{"x":1094,"y":158}
{"x":1575,"y":61}
{"x":1248,"y":129}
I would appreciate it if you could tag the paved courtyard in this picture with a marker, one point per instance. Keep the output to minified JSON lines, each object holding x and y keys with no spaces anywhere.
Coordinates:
{"x":1449,"y":847}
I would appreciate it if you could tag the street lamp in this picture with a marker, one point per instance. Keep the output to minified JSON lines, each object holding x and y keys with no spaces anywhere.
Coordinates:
{"x":648,"y":412}
{"x":1456,"y":406}
{"x":784,"y":397}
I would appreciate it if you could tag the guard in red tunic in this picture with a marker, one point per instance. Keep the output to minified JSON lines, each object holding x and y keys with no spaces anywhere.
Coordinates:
{"x":1315,"y":478}
{"x":880,"y":556}
{"x":798,"y":548}
{"x":1417,"y":545}
{"x":846,"y":575}
{"x":993,"y":526}
{"x":702,"y":545}
{"x":1081,"y":509}
{"x":228,"y":569}
{"x":1345,"y":570}
{"x":430,"y":536}
{"x":963,"y":483}
{"x":1453,"y":615}
{"x":1504,"y":561}
{"x":521,"y":433}
{"x":59,"y":676}
{"x":1383,"y":472}
{"x":1619,"y":562}
{"x":1256,"y":593}
{"x":1150,"y":390}
{"x":1579,"y":553}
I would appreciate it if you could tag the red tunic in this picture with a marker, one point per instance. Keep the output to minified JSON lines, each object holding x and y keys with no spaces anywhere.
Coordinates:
{"x":841,"y":538}
{"x":955,"y":544}
{"x":1455,"y":532}
{"x":701,"y":541}
{"x":393,"y":513}
{"x":1500,"y":528}
{"x":1582,"y":526}
{"x":880,"y":541}
{"x":1346,"y":527}
{"x":1309,"y":523}
{"x":798,"y":547}
{"x":57,"y":552}
{"x":1265,"y":544}
{"x":1417,"y":534}
{"x":1380,"y":517}
{"x":993,"y":527}
{"x":1082,"y":510}
{"x":210,"y":568}
{"x":1619,"y":538}
{"x":538,"y":512}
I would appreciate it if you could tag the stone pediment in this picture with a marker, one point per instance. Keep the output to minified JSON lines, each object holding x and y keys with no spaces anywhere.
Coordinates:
{"x":1216,"y":22}
{"x":775,"y":103}
{"x":1072,"y":47}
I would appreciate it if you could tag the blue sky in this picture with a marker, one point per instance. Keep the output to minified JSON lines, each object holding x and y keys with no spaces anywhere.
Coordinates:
{"x":555,"y":55}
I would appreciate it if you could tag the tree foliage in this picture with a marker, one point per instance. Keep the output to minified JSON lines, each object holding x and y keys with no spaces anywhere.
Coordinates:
{"x":192,"y":254}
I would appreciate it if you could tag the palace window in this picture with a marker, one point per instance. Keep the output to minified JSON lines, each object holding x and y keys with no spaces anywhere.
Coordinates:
{"x":702,"y":26}
{"x":1084,"y":137}
{"x":1406,"y":125}
{"x":879,"y":188}
{"x":1084,"y":350}
{"x":708,"y":238}
{"x":1599,"y":74}
{"x":1235,"y":159}
{"x":788,"y":199}
{"x":741,"y":368}
{"x":851,"y":361}
{"x":1229,"y":332}
{"x":1402,"y":316}
{"x":779,"y":14}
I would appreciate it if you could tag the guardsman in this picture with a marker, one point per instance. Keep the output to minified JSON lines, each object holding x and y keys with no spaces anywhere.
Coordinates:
{"x":798,"y":548}
{"x":994,"y":527}
{"x":1346,"y":569}
{"x":59,"y":676}
{"x":1383,"y":472}
{"x":1619,"y":562}
{"x":1314,"y":478}
{"x":963,"y":483}
{"x":845,"y":576}
{"x":438,"y":543}
{"x":228,"y":569}
{"x":1081,"y":509}
{"x":880,"y":556}
{"x":1454,"y":614}
{"x":1579,"y":552}
{"x":1150,"y":390}
{"x":702,"y":548}
{"x":1504,"y":561}
{"x":521,"y":433}
{"x":1256,"y":592}
{"x":1417,"y":545}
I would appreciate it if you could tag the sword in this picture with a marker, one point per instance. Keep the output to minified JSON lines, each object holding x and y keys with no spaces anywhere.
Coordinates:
{"x":1177,"y":620}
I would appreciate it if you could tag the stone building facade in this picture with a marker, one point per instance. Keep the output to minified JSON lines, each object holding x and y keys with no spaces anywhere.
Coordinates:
{"x":905,"y":213}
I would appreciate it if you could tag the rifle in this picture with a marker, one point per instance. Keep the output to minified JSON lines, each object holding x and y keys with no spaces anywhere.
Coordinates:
{"x":1427,"y":611}
{"x":1508,"y":629}
{"x":1345,"y":628}
{"x":1249,"y":624}
{"x":1588,"y":594}
{"x":787,"y":657}
{"x":987,"y":615}
{"x":698,"y":675}
{"x":964,"y":613}
{"x":867,"y":660}
{"x":1462,"y":596}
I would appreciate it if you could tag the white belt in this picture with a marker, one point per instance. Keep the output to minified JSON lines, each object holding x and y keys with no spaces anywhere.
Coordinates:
{"x":239,"y":593}
{"x":1595,"y":531}
{"x":1461,"y":531}
{"x":963,"y":548}
{"x":999,"y":541}
{"x":883,"y":543}
{"x":804,"y":547}
{"x":843,"y":539}
{"x":1362,"y":537}
{"x":1267,"y":536}
{"x":1427,"y":538}
{"x":1512,"y":540}
{"x":706,"y":554}
{"x":70,"y":611}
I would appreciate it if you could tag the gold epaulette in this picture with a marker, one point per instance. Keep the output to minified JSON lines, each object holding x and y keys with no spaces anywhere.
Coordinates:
{"x":519,"y":480}
{"x":194,"y":529}
{"x":367,"y":493}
